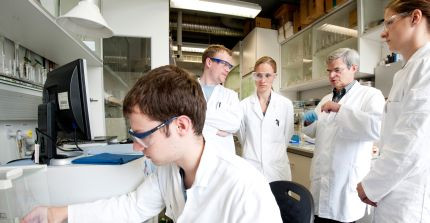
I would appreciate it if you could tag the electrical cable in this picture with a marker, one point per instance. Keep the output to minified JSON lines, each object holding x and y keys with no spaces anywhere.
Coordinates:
{"x":76,"y":142}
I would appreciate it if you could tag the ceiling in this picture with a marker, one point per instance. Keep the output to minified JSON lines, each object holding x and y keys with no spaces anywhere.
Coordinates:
{"x":201,"y":21}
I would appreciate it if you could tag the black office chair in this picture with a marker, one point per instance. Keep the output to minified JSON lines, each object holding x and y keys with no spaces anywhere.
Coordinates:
{"x":295,"y":207}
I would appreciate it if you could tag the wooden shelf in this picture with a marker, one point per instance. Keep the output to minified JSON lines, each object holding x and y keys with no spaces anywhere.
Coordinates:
{"x":30,"y":25}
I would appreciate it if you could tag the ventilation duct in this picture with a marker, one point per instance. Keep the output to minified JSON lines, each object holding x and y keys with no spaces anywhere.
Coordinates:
{"x":208,"y":29}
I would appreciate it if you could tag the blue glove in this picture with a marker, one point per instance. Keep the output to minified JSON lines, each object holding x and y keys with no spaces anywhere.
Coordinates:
{"x":310,"y":116}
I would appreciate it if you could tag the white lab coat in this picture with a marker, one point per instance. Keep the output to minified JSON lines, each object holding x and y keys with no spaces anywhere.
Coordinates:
{"x":265,"y":138}
{"x":400,"y":179}
{"x":226,"y":189}
{"x":342,"y":154}
{"x":223,"y":113}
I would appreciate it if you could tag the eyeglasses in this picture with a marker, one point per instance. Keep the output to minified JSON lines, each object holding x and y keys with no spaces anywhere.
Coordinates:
{"x":260,"y":76}
{"x":223,"y":62}
{"x":142,"y":138}
{"x":388,"y":22}
{"x":337,"y":70}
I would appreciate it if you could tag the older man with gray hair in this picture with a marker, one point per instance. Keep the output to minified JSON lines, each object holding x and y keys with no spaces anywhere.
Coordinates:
{"x":345,"y":125}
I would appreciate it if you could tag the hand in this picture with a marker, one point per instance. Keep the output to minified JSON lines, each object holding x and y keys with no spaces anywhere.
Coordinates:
{"x":330,"y":107}
{"x":363,"y":196}
{"x":309,"y":117}
{"x":46,"y":215}
{"x":37,"y":215}
{"x":222,"y":133}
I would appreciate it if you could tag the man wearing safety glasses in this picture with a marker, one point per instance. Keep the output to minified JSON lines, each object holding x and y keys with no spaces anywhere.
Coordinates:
{"x":223,"y":113}
{"x":195,"y":181}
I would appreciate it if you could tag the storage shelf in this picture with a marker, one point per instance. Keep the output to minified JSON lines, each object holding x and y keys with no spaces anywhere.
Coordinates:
{"x":307,"y":85}
{"x":111,"y":100}
{"x":346,"y":43}
{"x":30,"y":25}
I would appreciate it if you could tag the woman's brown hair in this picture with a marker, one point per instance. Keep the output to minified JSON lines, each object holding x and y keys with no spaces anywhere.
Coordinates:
{"x":400,"y":6}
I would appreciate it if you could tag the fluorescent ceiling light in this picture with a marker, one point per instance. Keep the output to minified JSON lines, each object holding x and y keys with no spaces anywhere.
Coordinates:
{"x":190,"y":49}
{"x":86,"y":19}
{"x":339,"y":30}
{"x":307,"y":60}
{"x":226,"y":7}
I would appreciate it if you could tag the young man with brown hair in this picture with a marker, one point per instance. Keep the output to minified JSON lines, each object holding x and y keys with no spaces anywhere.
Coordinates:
{"x":195,"y":181}
{"x":223,"y":113}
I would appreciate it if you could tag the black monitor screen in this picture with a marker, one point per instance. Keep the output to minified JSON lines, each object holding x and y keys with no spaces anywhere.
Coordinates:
{"x":65,"y":109}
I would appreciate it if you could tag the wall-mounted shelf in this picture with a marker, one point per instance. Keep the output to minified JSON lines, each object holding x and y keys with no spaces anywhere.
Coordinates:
{"x":29,"y":24}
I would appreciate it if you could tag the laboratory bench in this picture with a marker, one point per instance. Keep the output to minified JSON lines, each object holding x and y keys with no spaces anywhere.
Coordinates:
{"x":23,"y":187}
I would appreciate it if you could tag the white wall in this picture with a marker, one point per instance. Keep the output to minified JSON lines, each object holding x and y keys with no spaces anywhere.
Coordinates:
{"x":141,"y":18}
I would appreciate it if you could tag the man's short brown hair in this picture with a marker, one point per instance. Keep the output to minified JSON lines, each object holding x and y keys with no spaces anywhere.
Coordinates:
{"x":165,"y":92}
{"x":214,"y":49}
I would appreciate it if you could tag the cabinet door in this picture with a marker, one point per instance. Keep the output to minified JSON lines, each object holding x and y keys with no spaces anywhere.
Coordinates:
{"x":300,"y":169}
{"x":334,"y":32}
{"x":292,"y":62}
{"x":125,"y":60}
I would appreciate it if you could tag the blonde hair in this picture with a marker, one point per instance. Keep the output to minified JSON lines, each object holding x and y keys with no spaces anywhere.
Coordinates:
{"x":214,"y":49}
{"x":268,"y":60}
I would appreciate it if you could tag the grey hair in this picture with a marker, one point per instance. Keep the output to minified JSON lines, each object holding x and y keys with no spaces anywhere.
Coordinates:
{"x":349,"y":56}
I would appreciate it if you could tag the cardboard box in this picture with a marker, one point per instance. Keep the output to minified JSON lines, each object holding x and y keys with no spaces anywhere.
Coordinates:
{"x":247,"y":27}
{"x":304,"y":12}
{"x":316,"y":8}
{"x":329,"y":4}
{"x":250,"y":24}
{"x":339,"y":2}
{"x":284,"y":14}
{"x":263,"y":22}
{"x":296,"y":21}
{"x":353,"y":18}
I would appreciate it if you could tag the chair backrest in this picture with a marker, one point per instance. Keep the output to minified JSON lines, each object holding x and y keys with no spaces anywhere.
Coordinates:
{"x":294,"y":201}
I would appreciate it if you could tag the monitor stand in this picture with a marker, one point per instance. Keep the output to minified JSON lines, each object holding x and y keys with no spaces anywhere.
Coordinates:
{"x":65,"y":158}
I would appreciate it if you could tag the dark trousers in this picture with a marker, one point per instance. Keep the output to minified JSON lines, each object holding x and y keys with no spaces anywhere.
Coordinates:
{"x":325,"y":220}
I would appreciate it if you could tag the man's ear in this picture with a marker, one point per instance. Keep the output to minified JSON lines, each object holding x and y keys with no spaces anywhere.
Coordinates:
{"x":184,"y":124}
{"x":208,"y":62}
{"x":354,"y":68}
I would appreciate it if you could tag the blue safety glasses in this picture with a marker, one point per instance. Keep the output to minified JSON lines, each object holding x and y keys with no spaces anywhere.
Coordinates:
{"x":223,"y":62}
{"x":141,"y":136}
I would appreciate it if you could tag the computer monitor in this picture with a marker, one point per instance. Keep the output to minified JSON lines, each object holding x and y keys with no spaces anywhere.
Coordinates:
{"x":65,"y":110}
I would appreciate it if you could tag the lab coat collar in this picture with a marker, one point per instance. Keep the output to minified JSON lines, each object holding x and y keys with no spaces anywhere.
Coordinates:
{"x":419,"y":53}
{"x":350,"y":92}
{"x":256,"y":103}
{"x":207,"y":160}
